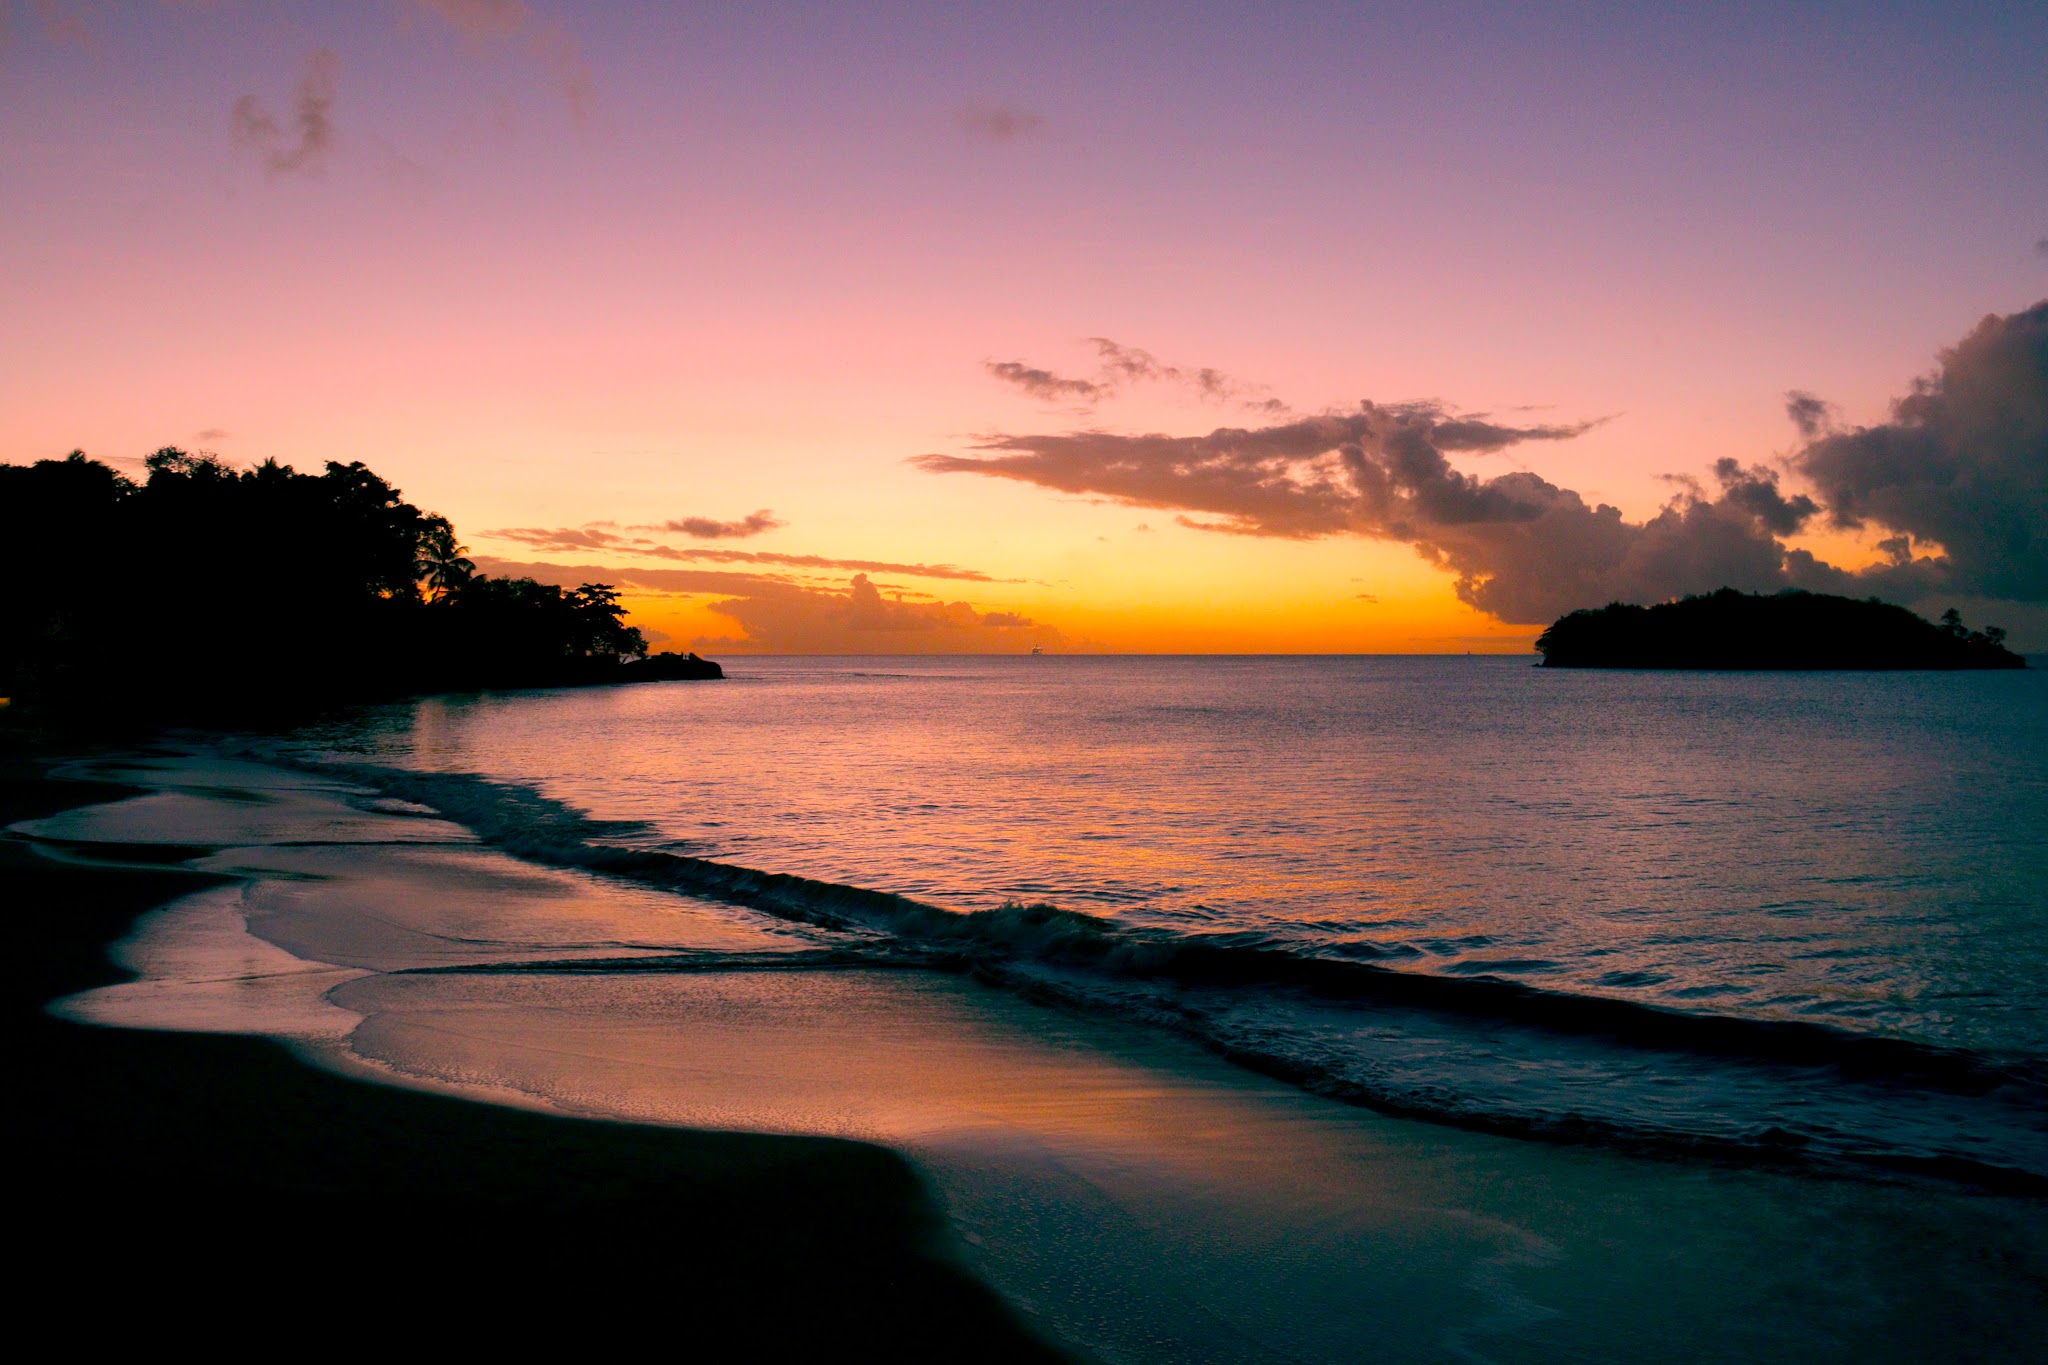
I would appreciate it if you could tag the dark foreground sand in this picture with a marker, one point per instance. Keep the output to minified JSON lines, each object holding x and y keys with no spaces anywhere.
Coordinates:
{"x":1123,"y":1188}
{"x":181,"y":1188}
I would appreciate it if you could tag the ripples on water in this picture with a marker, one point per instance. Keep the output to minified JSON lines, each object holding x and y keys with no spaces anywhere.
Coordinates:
{"x":1867,"y":849}
{"x":1822,"y":886}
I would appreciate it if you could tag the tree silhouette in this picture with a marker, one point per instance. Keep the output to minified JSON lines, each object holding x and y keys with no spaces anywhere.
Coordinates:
{"x":439,"y":566}
{"x":206,"y":588}
{"x":1791,"y":629}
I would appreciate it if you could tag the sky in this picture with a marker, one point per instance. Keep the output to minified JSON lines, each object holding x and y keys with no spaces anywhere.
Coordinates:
{"x":1190,"y":328}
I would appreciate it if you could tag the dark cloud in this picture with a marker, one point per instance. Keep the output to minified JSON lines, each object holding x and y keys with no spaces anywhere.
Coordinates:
{"x":1119,"y":366}
{"x":1044,"y":383}
{"x":210,"y":434}
{"x":1755,"y":490}
{"x":707,"y":528}
{"x":2041,"y":247}
{"x":1963,"y":463}
{"x":1122,"y":365}
{"x":304,"y":145}
{"x":1959,"y":477}
{"x":1129,"y":364}
{"x":998,"y":122}
{"x":1519,"y":547}
{"x":606,"y":536}
{"x":1810,"y":414}
{"x":1315,"y":476}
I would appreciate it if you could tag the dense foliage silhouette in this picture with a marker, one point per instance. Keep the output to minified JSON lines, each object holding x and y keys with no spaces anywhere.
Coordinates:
{"x":1790,"y":629}
{"x":209,"y":589}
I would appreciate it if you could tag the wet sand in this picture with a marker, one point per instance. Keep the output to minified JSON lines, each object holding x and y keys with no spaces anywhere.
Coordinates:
{"x":189,"y":1189}
{"x":1132,"y":1195}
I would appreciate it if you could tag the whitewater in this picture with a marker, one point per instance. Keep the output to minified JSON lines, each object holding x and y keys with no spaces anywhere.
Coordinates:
{"x":1780,"y":917}
{"x":1235,"y":1009}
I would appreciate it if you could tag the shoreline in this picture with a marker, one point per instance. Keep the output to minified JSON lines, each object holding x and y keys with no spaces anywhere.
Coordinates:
{"x":196,"y":1175}
{"x":1131,"y":1194}
{"x":1001,"y":947}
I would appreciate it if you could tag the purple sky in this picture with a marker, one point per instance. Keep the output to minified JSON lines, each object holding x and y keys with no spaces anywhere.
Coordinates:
{"x":552,"y":267}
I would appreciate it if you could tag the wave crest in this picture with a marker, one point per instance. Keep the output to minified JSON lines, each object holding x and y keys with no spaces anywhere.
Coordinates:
{"x":1055,"y":952}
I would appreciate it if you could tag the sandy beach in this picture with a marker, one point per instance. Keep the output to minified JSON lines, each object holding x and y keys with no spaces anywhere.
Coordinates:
{"x":1191,"y":685}
{"x":196,"y":1189}
{"x":1130,"y":1195}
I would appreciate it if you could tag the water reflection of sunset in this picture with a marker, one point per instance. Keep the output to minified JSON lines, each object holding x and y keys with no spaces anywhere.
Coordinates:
{"x":863,"y":680}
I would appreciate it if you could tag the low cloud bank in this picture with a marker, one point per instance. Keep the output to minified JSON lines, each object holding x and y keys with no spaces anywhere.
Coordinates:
{"x":777,"y":615}
{"x":638,"y":579}
{"x":1962,"y":466}
{"x":608,"y":536}
{"x":862,"y":620}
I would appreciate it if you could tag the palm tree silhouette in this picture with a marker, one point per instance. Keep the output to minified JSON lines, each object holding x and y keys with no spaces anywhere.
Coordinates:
{"x":441,"y":568}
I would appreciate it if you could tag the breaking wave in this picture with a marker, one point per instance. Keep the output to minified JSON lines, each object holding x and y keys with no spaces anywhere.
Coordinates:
{"x":1476,"y":1051}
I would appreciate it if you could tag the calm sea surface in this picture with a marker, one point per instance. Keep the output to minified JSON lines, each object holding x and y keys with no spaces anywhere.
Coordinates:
{"x":1867,"y":853}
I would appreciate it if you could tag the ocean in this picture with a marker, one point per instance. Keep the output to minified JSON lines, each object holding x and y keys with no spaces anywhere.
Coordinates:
{"x":1303,"y":1009}
{"x":1795,"y":918}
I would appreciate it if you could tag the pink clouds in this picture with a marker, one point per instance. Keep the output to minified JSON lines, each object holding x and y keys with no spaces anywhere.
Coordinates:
{"x":788,"y":619}
{"x":778,"y":615}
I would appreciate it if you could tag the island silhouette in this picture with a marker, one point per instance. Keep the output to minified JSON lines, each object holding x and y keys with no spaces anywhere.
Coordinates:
{"x":206,"y":591}
{"x":1794,"y":629}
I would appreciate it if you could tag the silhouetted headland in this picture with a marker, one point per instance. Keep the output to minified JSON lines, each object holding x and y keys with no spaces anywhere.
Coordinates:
{"x":1791,"y":629}
{"x":155,"y":1153}
{"x":669,"y":668}
{"x":205,"y":591}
